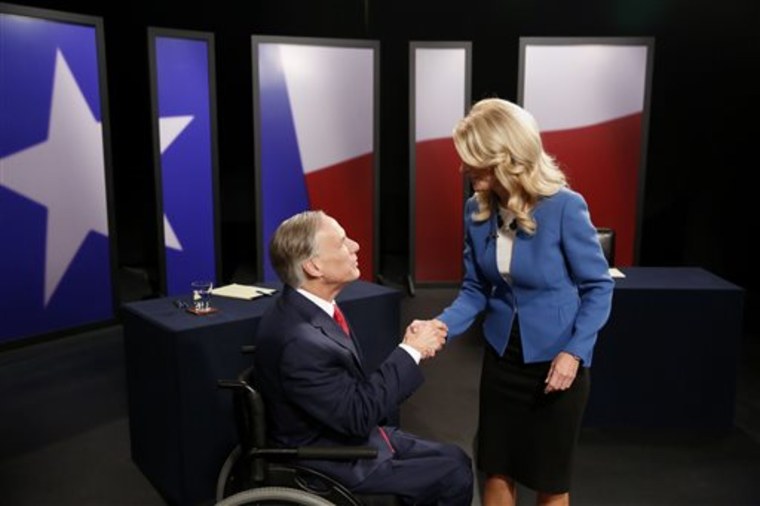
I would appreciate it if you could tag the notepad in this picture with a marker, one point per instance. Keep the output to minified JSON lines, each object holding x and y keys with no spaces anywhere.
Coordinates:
{"x":248,"y":292}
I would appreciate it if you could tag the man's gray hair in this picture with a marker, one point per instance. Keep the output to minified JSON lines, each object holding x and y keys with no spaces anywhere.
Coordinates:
{"x":294,"y":242}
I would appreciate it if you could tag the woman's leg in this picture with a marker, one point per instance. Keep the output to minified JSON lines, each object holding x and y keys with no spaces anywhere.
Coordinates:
{"x":499,"y":490}
{"x":544,"y":499}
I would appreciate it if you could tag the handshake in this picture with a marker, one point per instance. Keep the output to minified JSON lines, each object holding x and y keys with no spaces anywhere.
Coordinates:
{"x":426,"y":336}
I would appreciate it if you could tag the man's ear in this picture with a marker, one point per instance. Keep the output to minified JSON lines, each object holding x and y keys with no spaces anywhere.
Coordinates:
{"x":311,"y":268}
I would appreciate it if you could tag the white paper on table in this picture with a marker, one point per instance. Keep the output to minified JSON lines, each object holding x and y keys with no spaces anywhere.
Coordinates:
{"x":248,"y":292}
{"x":616,"y":273}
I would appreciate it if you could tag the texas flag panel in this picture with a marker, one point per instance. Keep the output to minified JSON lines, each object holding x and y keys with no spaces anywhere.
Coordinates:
{"x":316,"y":129}
{"x":55,"y":260}
{"x":440,"y":98}
{"x":589,"y":101}
{"x":181,"y":80}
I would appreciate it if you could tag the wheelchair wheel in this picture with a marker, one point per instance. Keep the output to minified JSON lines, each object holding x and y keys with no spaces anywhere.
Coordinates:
{"x":224,"y":473}
{"x":272,"y":496}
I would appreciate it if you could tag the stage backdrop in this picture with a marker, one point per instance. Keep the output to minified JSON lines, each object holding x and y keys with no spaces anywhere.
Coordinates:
{"x":315,"y":110}
{"x":590,"y":97}
{"x":439,"y":95}
{"x":185,"y":156}
{"x":56,"y":255}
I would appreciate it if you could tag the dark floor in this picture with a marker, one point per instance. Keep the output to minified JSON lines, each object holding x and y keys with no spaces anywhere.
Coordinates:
{"x":64,"y":430}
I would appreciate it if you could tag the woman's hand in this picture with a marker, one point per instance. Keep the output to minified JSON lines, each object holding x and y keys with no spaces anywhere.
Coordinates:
{"x":426,"y":336}
{"x":562,"y":372}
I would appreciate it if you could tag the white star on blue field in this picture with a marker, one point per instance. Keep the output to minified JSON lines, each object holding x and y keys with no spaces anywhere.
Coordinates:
{"x":54,"y":225}
{"x":69,"y":162}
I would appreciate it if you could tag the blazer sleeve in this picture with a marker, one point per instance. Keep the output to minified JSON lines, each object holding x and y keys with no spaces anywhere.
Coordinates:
{"x":590,"y":273}
{"x":320,"y":378}
{"x":475,"y":287}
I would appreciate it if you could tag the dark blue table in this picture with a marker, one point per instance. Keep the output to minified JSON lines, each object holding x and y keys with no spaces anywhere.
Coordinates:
{"x":181,"y":425}
{"x":668,"y":356}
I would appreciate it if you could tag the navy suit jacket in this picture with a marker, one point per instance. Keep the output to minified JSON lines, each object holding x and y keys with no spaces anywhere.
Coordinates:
{"x":561,"y":287}
{"x":316,"y":390}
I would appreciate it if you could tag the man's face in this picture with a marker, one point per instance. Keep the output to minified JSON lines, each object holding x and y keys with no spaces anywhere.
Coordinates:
{"x":336,"y":256}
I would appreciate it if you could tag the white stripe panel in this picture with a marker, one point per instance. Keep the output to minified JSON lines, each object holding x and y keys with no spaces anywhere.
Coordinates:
{"x":169,"y":128}
{"x":439,"y":94}
{"x":331,"y":95}
{"x":579,"y":85}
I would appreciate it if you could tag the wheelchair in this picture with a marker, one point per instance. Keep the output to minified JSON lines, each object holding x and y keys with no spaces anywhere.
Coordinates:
{"x":257,"y":473}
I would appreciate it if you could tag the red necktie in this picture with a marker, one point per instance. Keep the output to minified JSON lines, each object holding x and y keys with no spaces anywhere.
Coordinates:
{"x":340,"y":319}
{"x":386,"y":439}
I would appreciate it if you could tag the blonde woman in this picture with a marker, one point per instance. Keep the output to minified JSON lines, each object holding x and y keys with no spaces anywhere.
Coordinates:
{"x":535,"y":269}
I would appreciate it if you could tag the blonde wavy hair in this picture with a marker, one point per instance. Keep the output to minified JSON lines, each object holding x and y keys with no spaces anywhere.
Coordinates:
{"x":497,"y":134}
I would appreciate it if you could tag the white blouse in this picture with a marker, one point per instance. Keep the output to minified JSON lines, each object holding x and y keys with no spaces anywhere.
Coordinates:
{"x":505,"y":241}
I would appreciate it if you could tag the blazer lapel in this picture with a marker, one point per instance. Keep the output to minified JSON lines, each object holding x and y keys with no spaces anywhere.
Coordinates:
{"x":484,"y":238}
{"x":485,"y":235}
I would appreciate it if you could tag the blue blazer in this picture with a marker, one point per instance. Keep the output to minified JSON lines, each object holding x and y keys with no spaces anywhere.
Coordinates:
{"x":317,"y":392}
{"x":561,"y":287}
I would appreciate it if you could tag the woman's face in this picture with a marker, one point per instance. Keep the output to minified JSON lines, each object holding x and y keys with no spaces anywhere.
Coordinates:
{"x":481,"y":179}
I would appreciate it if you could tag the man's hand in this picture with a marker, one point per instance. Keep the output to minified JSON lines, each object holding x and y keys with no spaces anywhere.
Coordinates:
{"x":426,"y":336}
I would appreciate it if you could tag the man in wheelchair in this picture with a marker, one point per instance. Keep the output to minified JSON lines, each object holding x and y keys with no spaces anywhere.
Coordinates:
{"x":316,"y":391}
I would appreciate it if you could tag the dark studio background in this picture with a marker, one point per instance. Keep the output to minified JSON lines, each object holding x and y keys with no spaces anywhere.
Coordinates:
{"x":698,"y":160}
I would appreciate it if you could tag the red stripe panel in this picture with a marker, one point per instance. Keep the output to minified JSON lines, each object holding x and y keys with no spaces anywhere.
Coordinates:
{"x":345,"y":191}
{"x":438,"y":208}
{"x":602,"y":163}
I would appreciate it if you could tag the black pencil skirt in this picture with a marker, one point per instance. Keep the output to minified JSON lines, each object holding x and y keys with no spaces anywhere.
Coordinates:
{"x":524,"y":433}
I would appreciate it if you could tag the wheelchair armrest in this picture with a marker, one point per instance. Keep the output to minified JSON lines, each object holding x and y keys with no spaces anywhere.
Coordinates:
{"x":337,"y":452}
{"x":318,"y":452}
{"x":225,"y":383}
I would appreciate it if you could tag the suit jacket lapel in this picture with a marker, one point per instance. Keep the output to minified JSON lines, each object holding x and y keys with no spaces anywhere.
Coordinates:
{"x":321,"y":321}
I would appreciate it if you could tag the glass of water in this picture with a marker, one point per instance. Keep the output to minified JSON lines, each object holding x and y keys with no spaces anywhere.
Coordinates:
{"x":202,"y":295}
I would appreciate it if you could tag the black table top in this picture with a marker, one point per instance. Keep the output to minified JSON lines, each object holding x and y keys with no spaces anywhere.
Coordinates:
{"x":165,"y":313}
{"x":671,"y":278}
